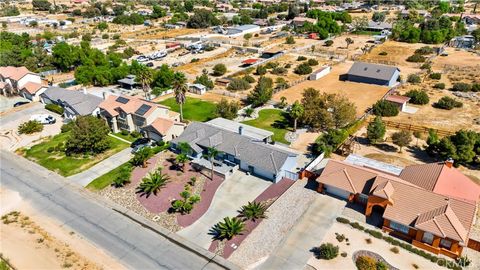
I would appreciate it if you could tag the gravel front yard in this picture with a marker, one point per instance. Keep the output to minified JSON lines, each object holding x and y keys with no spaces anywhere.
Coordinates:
{"x":282,"y":216}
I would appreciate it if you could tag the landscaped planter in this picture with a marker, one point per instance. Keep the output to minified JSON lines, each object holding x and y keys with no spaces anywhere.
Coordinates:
{"x":373,"y":255}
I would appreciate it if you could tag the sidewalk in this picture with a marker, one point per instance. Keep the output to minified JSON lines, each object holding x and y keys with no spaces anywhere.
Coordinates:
{"x":84,"y":178}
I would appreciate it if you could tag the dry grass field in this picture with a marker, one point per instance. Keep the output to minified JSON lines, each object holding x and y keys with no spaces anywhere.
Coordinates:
{"x":363,"y":95}
{"x":397,"y":53}
{"x":459,"y":58}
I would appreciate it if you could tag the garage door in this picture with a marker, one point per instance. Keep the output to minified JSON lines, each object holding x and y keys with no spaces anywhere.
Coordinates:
{"x":337,"y":192}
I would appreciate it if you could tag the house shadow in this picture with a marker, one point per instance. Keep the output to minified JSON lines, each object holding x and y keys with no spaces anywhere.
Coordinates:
{"x":357,"y":212}
{"x":343,"y":77}
{"x":311,"y":184}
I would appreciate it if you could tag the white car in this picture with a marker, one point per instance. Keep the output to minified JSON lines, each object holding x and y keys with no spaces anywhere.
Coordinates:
{"x":44,"y":119}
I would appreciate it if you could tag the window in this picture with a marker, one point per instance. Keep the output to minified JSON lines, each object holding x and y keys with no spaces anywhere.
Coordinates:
{"x":399,"y":227}
{"x":446,"y":243}
{"x":427,"y":238}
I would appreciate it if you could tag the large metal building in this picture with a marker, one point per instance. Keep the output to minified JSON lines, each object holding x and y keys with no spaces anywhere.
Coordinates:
{"x":373,"y":74}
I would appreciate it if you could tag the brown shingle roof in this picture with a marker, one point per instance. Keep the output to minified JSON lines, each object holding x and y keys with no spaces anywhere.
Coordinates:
{"x":423,"y":175}
{"x":443,"y":222}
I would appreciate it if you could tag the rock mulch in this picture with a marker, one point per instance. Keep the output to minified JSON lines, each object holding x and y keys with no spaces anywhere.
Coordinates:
{"x":374,"y":255}
{"x":283,"y":214}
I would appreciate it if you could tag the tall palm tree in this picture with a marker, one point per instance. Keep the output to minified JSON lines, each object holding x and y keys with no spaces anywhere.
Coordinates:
{"x":295,"y":112}
{"x":212,"y":152}
{"x":153,"y":182}
{"x":145,"y":78}
{"x":180,"y":88}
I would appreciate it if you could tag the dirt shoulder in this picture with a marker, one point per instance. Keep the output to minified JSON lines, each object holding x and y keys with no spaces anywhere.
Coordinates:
{"x":31,"y":240}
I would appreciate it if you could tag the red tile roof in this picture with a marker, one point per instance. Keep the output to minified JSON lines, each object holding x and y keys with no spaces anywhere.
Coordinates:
{"x":14,"y":73}
{"x":249,"y":61}
{"x":32,"y":87}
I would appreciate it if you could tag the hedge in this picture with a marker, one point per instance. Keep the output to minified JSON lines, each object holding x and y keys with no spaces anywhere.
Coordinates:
{"x":54,"y":108}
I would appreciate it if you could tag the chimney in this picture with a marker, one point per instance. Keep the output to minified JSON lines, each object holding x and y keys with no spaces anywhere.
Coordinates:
{"x":240,"y":130}
{"x":84,"y":90}
{"x":104,"y":94}
{"x":449,"y":162}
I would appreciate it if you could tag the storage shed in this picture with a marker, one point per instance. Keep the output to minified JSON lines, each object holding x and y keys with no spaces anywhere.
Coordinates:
{"x":320,"y":73}
{"x":373,"y":74}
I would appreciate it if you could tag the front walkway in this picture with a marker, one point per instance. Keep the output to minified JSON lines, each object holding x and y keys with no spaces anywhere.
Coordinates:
{"x":101,"y":168}
{"x":236,"y":191}
{"x":294,"y":251}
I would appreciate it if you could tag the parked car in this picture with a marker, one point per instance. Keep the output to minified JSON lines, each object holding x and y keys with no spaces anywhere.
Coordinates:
{"x":44,"y":119}
{"x":139,"y":147}
{"x":20,"y":103}
{"x":149,"y":64}
{"x":141,"y":141}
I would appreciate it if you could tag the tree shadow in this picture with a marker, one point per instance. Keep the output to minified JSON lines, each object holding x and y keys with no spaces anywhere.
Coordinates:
{"x":420,"y":154}
{"x":386,"y":147}
{"x":316,"y":252}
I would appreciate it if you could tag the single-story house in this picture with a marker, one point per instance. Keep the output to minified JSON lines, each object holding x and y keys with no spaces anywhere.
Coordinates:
{"x":300,"y":21}
{"x":249,"y":61}
{"x":222,"y":81}
{"x":128,"y":82}
{"x":197,"y":88}
{"x":271,"y":53}
{"x":129,"y":113}
{"x":378,"y":26}
{"x":463,"y":42}
{"x":320,"y":73}
{"x":74,"y":103}
{"x":399,"y":101}
{"x":237,"y":150}
{"x":32,"y":91}
{"x":373,"y":74}
{"x":242,"y":30}
{"x":242,"y":129}
{"x":432,"y":206}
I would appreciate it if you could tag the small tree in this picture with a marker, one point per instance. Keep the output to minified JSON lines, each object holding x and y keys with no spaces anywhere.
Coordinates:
{"x":385,"y":108}
{"x":226,"y":109}
{"x":303,"y":69}
{"x":153,"y":183}
{"x":261,"y":70}
{"x":296,"y":111}
{"x":327,"y":251}
{"x":290,"y":40}
{"x":447,"y":103}
{"x":312,"y":62}
{"x":349,"y":41}
{"x":376,"y":130}
{"x":229,"y":228}
{"x":419,"y":97}
{"x":219,"y":70}
{"x":262,"y":92}
{"x":30,"y":127}
{"x":205,"y":81}
{"x":253,"y":211}
{"x":402,"y":138}
{"x":248,"y":111}
{"x":414,"y":78}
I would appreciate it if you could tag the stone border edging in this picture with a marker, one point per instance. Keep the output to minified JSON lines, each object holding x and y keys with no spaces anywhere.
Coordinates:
{"x":371,"y":254}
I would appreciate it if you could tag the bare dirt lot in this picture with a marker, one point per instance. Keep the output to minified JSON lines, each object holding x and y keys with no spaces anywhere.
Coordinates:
{"x":397,"y":53}
{"x":362,"y":94}
{"x":459,"y":58}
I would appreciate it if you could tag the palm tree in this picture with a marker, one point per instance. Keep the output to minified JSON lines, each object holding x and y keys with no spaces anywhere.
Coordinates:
{"x":140,"y":158}
{"x":229,"y":228}
{"x":153,"y":182}
{"x":145,"y":77}
{"x":212,"y":152}
{"x":182,"y":159}
{"x":253,"y":211}
{"x":180,"y":89}
{"x":295,"y":112}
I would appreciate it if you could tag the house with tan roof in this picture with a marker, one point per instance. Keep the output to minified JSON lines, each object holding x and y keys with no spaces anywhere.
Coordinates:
{"x":433,"y":206}
{"x":32,"y":91}
{"x":129,"y":113}
{"x":14,"y":78}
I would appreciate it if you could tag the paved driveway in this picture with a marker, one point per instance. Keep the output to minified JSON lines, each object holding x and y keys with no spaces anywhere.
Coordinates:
{"x":85,"y":177}
{"x":234,"y":192}
{"x":294,"y":251}
{"x":10,"y":120}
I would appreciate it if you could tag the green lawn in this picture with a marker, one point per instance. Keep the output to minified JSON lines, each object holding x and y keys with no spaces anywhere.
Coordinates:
{"x":107,"y":179}
{"x":272,"y":120}
{"x":194,"y":109}
{"x":128,"y":137}
{"x":66,"y":166}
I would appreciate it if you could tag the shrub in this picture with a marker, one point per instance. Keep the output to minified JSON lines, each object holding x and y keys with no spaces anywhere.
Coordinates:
{"x":395,"y":250}
{"x":67,"y":127}
{"x":462,"y":87}
{"x":385,"y":108}
{"x":329,"y":43}
{"x":464,"y":261}
{"x":54,"y":108}
{"x":415,"y":266}
{"x":303,"y":69}
{"x":219,"y":70}
{"x":238,"y":84}
{"x":343,"y":220}
{"x":249,"y":79}
{"x":343,"y":254}
{"x":123,"y":177}
{"x":426,"y":66}
{"x":301,"y":58}
{"x":381,"y":266}
{"x":229,"y":227}
{"x":375,"y":234}
{"x":290,"y":40}
{"x":366,"y":263}
{"x":416,"y":58}
{"x":424,"y":50}
{"x":135,"y":134}
{"x":194,"y":60}
{"x":253,"y":211}
{"x":439,"y":86}
{"x":327,"y":251}
{"x":288,"y":65}
{"x":383,"y":53}
{"x":435,"y":76}
{"x":50,"y":149}
{"x":271,"y":65}
{"x":261,"y":70}
{"x":368,"y":240}
{"x":279,"y":71}
{"x":447,"y":103}
{"x":476,"y":87}
{"x":414,"y":78}
{"x":124,"y":132}
{"x":419,"y":97}
{"x":339,"y":237}
{"x":356,"y":225}
{"x":312,"y":62}
{"x":30,"y":127}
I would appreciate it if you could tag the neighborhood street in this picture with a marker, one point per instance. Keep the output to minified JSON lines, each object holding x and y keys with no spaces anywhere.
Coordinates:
{"x":136,"y":245}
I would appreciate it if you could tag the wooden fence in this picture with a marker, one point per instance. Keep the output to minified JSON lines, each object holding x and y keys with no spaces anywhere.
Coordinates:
{"x":416,"y":128}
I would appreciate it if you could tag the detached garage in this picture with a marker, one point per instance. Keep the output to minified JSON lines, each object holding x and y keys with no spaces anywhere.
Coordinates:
{"x":373,"y":74}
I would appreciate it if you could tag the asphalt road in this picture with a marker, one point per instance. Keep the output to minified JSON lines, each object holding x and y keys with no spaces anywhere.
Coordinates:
{"x":135,"y":245}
